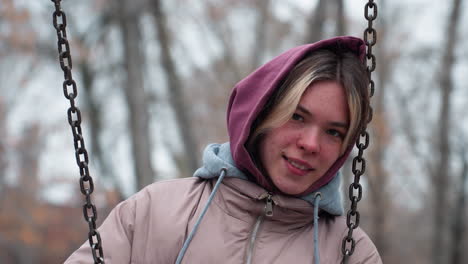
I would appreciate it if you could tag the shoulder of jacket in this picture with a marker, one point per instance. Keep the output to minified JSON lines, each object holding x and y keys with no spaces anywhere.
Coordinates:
{"x":365,"y":250}
{"x":335,"y":230}
{"x":178,"y":183}
{"x":165,"y":190}
{"x":168,"y":187}
{"x":161,"y":194}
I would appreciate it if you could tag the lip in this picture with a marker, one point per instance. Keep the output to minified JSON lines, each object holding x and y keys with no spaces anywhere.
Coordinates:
{"x":294,"y":169}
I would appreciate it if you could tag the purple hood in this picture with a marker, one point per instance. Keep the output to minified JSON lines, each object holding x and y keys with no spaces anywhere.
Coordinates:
{"x":250,"y":95}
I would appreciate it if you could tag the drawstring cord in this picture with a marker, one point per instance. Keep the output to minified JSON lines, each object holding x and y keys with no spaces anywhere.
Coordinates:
{"x":317,"y":198}
{"x":195,"y":227}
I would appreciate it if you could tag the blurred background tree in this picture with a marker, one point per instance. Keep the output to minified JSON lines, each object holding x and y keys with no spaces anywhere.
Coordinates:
{"x":154,"y":78}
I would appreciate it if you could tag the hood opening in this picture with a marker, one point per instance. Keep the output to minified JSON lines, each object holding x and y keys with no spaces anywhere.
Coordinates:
{"x":251,"y":96}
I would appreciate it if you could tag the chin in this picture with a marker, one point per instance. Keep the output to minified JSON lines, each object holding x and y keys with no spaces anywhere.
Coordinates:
{"x":291,"y":190}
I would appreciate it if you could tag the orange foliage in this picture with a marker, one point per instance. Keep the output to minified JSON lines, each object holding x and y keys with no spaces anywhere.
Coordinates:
{"x":52,"y":231}
{"x":21,"y":36}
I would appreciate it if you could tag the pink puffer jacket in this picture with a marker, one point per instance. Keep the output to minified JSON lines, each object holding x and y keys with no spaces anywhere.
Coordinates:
{"x":144,"y":229}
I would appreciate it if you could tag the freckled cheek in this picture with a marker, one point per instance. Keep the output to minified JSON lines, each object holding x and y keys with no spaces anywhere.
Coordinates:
{"x":286,"y":138}
{"x":278,"y":140}
{"x":331,"y":151}
{"x":273,"y":147}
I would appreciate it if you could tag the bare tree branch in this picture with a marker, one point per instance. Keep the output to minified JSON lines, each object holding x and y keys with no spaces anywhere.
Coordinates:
{"x":263,"y":7}
{"x":441,"y":176}
{"x":176,"y":95}
{"x":316,"y":22}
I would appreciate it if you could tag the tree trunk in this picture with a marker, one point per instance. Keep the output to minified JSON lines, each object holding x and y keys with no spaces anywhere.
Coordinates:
{"x":379,"y":178}
{"x":263,"y":13}
{"x":316,"y":22}
{"x":29,"y":150}
{"x":3,"y":146}
{"x":176,"y":96}
{"x":377,"y":183}
{"x":442,"y":173}
{"x":459,"y":214}
{"x":95,"y":127}
{"x":341,"y":18}
{"x":138,"y":116}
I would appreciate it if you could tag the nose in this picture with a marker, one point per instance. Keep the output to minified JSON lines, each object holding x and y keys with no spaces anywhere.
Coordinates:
{"x":309,"y":140}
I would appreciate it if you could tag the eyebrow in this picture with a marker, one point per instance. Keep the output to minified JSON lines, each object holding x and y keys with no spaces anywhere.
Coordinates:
{"x":333,"y":123}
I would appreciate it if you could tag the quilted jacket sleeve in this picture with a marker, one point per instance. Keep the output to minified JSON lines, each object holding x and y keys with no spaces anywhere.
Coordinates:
{"x":365,"y":251}
{"x":116,"y":235}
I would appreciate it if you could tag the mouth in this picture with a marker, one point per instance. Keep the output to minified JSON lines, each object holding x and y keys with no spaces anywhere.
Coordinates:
{"x":298,"y":166}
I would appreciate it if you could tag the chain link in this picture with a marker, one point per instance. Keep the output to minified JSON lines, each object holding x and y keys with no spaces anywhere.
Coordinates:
{"x":359,"y":163}
{"x":74,"y":119}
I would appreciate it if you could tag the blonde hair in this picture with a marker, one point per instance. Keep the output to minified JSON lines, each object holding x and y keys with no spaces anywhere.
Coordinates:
{"x":344,"y":68}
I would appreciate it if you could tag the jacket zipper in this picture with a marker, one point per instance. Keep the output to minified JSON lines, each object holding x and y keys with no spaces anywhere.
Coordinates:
{"x":268,"y":213}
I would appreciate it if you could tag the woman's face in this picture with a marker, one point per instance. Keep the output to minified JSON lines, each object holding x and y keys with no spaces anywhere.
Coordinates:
{"x":298,"y":153}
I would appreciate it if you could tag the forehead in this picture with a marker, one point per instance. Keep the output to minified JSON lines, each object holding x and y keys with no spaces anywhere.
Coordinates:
{"x":326,"y":99}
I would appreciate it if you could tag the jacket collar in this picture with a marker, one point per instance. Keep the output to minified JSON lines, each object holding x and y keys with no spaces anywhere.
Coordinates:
{"x":246,"y":201}
{"x":218,"y":156}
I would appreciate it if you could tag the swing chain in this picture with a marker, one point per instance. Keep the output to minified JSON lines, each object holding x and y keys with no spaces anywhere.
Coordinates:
{"x":74,"y":119}
{"x":359,"y":163}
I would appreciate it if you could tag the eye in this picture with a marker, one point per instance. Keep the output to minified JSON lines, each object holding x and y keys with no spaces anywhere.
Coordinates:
{"x":297,"y":117}
{"x":336,"y":133}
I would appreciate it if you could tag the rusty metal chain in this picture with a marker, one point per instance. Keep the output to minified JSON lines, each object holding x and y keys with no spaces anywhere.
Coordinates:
{"x":359,"y":163}
{"x":74,"y":119}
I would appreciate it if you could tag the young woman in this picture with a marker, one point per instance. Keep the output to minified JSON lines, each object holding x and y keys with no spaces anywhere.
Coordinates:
{"x":271,"y":194}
